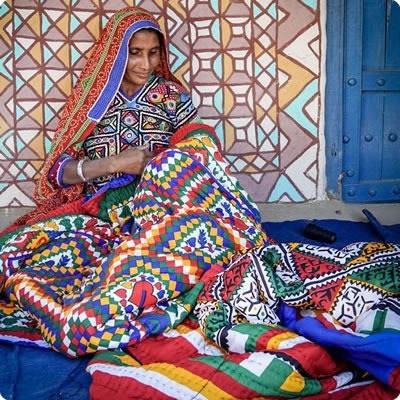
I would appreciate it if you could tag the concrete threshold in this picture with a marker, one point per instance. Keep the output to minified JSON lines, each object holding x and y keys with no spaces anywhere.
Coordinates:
{"x":386,"y":213}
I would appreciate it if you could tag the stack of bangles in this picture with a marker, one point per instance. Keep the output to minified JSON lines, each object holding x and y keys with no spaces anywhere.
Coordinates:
{"x":79,"y":170}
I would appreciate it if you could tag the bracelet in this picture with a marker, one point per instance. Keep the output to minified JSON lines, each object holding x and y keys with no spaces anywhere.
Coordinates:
{"x":79,"y":170}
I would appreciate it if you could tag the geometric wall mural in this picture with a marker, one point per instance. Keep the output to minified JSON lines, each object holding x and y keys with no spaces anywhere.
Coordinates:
{"x":252,"y":68}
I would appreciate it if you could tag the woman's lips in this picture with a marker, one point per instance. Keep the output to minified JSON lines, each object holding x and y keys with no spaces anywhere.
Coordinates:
{"x":143,"y":76}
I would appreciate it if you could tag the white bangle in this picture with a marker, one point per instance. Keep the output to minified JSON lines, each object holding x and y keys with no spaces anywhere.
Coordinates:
{"x":79,"y":170}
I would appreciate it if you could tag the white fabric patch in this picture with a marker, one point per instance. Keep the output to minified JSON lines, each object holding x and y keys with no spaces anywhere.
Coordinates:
{"x":257,"y":363}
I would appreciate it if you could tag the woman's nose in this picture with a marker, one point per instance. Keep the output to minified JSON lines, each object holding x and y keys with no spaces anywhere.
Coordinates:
{"x":145,"y":63}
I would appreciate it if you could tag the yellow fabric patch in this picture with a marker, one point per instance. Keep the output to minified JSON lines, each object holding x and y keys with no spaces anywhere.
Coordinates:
{"x":294,"y":383}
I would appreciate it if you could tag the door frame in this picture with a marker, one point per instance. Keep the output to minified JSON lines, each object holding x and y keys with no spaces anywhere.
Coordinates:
{"x":334,"y":96}
{"x":344,"y":86}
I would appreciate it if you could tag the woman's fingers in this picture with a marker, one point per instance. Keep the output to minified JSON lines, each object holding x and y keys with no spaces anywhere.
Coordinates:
{"x":134,"y":159}
{"x":142,"y":147}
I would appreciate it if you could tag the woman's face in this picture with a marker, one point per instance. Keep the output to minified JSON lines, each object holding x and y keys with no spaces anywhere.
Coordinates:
{"x":143,"y":58}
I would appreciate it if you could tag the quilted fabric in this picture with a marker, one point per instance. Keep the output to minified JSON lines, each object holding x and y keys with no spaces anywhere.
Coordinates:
{"x":91,"y":283}
{"x":179,"y":259}
{"x":267,"y":330}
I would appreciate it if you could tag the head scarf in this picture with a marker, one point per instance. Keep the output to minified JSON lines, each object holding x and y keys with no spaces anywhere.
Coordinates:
{"x":95,"y":89}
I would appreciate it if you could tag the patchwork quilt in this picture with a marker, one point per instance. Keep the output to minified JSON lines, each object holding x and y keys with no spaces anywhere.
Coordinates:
{"x":283,"y":320}
{"x":174,"y":290}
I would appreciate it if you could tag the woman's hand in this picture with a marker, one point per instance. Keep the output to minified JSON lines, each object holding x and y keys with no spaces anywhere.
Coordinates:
{"x":132,"y":160}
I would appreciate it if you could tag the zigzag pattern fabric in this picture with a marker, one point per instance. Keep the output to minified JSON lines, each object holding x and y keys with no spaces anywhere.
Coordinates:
{"x":91,"y":283}
{"x":347,"y":299}
{"x":344,"y":283}
{"x":280,"y":322}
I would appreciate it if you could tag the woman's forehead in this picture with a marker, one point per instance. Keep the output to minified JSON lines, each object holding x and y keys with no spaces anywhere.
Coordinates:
{"x":145,"y":38}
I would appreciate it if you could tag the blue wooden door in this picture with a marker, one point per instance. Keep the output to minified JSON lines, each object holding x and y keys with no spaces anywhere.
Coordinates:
{"x":371,"y":108}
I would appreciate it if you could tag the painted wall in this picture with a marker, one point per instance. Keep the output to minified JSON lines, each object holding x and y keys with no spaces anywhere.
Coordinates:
{"x":253,"y":69}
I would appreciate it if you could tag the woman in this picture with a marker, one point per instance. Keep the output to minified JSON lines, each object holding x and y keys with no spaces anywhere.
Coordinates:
{"x":125,"y":106}
{"x":121,"y":236}
{"x":146,"y":110}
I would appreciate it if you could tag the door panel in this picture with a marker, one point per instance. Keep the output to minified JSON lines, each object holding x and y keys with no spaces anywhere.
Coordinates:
{"x":370,"y":143}
{"x":393,"y":35}
{"x":391,"y":139}
{"x":371,"y":116}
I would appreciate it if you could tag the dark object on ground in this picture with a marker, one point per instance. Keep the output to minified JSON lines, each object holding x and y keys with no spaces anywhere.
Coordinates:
{"x":316,"y":232}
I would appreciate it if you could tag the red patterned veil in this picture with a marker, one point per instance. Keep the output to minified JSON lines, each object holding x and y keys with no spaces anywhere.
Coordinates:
{"x":89,"y":100}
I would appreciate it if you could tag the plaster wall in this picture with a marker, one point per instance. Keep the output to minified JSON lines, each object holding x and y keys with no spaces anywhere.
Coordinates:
{"x":255,"y":70}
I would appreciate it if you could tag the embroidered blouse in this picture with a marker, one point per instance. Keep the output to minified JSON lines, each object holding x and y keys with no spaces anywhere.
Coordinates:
{"x":151,"y":115}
